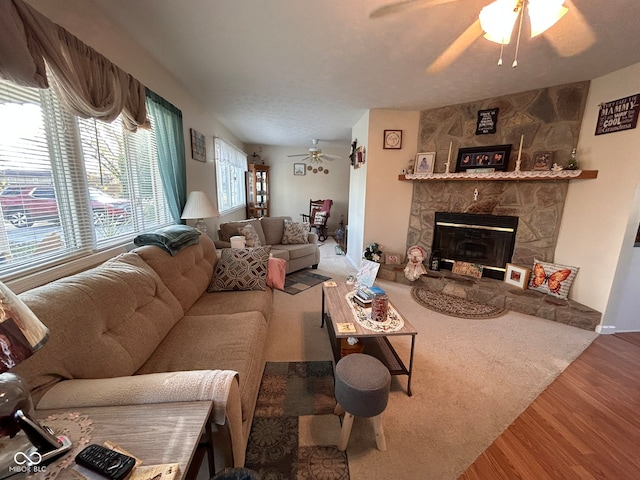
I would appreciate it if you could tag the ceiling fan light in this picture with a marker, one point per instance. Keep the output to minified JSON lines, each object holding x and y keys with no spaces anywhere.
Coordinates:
{"x":497,"y":20}
{"x":544,"y":14}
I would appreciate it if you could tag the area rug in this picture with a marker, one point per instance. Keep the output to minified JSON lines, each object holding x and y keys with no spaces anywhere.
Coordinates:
{"x":294,"y":431}
{"x":302,"y":280}
{"x":452,"y":305}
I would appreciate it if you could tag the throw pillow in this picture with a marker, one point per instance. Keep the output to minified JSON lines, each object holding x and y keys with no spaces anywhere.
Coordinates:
{"x":552,"y":278}
{"x":250,"y":235}
{"x":295,"y":233}
{"x":241,"y":269}
{"x":172,"y":239}
{"x":276,"y":272}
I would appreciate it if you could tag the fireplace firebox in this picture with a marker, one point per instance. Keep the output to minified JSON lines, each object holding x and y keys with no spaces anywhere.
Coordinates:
{"x":487,"y":240}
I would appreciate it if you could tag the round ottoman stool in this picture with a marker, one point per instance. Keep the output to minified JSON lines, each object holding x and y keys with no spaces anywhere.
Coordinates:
{"x":362,"y":390}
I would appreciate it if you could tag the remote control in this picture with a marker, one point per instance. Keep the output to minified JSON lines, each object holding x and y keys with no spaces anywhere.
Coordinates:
{"x":106,"y":462}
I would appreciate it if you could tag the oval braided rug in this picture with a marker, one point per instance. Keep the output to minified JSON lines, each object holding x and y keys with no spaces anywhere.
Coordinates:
{"x":453,"y":306}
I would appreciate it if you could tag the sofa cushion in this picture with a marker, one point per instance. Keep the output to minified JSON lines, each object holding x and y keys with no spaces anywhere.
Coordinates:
{"x":212,"y":342}
{"x":278,"y":251}
{"x":188,"y":274}
{"x":298,"y":250}
{"x":295,"y":233}
{"x":250,"y":235}
{"x":226,"y":303}
{"x":229,"y":229}
{"x":172,"y":238}
{"x":273,"y":228}
{"x":104,"y":322}
{"x":241,"y":269}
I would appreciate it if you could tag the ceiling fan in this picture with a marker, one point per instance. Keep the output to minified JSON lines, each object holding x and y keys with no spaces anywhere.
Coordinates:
{"x":502,"y":16}
{"x":315,"y":155}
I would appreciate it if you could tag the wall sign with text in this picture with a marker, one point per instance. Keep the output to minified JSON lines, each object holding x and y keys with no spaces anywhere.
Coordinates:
{"x":618,"y":115}
{"x":487,"y":121}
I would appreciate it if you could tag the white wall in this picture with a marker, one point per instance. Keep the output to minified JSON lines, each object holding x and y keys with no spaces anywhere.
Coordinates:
{"x":290,"y":194}
{"x":357,"y":195}
{"x":623,"y":308}
{"x":595,"y":234}
{"x":388,"y":203}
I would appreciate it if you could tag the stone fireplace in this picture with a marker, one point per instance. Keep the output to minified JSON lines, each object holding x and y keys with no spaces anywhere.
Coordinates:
{"x":538,"y":207}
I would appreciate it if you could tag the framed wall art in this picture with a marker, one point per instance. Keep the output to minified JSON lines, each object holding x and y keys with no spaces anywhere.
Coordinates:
{"x":495,"y":156}
{"x":517,"y":276}
{"x":392,"y":139}
{"x":424,"y":162}
{"x":198,"y":147}
{"x":542,"y":160}
{"x":299,"y":169}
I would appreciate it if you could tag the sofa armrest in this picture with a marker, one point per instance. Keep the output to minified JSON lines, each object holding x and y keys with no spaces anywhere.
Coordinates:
{"x":222,"y":244}
{"x":187,"y":386}
{"x":313,"y":237}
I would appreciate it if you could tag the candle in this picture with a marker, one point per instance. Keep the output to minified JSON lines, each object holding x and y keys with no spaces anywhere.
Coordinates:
{"x":520,"y":149}
{"x":449,"y":158}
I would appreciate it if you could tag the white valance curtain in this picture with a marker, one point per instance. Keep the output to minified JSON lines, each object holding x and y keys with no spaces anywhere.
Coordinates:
{"x":88,"y":84}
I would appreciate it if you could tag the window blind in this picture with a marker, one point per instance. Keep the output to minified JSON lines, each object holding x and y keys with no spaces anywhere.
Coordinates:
{"x":231,"y":165}
{"x":68,"y":186}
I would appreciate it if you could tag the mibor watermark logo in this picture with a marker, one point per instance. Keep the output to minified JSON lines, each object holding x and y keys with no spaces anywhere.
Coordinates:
{"x":27,"y":462}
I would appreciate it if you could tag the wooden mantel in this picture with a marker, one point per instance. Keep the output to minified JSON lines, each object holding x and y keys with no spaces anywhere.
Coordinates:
{"x":503,"y":176}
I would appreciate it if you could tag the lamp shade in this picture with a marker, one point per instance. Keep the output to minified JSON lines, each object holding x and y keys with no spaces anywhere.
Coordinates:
{"x":21,"y":333}
{"x":199,"y":206}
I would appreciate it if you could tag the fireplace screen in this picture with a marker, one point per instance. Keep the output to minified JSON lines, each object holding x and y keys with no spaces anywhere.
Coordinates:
{"x":487,"y":240}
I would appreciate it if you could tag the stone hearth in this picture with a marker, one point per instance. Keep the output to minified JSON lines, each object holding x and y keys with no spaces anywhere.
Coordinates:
{"x":495,"y":292}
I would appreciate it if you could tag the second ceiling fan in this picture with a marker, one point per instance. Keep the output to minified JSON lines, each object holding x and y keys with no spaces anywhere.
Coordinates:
{"x":315,"y":155}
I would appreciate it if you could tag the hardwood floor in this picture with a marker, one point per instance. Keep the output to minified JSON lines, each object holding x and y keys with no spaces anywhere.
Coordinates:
{"x":585,"y":425}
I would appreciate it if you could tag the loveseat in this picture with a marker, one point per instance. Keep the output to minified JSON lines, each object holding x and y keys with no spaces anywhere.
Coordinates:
{"x":271,"y":231}
{"x":142,"y":328}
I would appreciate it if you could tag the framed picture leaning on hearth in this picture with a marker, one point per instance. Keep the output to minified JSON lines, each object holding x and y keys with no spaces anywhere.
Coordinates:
{"x":517,"y":276}
{"x":495,"y":156}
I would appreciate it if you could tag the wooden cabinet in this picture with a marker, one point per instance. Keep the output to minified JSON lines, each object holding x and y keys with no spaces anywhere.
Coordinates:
{"x":257,"y":191}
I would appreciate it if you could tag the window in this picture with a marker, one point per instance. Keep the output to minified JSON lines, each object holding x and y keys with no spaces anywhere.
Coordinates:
{"x":68,"y":186}
{"x":231,"y":165}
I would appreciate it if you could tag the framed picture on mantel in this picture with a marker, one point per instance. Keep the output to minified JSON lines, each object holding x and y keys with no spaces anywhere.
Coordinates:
{"x":496,"y":156}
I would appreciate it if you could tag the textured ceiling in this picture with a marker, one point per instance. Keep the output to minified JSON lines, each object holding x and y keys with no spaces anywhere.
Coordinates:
{"x":281,"y":72}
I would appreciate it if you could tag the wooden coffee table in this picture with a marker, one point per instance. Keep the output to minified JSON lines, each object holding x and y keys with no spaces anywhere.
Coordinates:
{"x":156,"y":433}
{"x":336,"y":310}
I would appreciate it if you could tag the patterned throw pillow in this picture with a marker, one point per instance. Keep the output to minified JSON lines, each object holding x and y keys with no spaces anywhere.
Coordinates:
{"x":552,"y":278}
{"x":250,"y":235}
{"x":295,"y":233}
{"x":241,"y":269}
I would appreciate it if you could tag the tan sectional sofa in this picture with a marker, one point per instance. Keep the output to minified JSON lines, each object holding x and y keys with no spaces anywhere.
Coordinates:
{"x":270,"y":231}
{"x":142,"y":328}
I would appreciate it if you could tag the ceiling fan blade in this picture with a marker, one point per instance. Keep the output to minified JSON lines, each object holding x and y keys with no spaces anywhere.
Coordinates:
{"x":404,"y":6}
{"x":456,"y":49}
{"x":574,"y":37}
{"x":299,"y":155}
{"x":329,"y":157}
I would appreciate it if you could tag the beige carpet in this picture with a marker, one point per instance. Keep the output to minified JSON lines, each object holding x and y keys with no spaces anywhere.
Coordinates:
{"x":471,"y":379}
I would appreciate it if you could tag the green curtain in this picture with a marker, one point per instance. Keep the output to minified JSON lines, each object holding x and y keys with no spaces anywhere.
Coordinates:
{"x":167,"y":123}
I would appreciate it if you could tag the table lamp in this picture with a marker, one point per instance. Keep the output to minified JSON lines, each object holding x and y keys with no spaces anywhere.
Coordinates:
{"x":22,"y":334}
{"x":199,"y":207}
